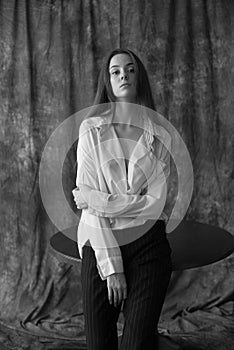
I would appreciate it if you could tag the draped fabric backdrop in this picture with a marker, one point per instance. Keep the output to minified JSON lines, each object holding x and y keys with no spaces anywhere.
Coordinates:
{"x":50,"y":55}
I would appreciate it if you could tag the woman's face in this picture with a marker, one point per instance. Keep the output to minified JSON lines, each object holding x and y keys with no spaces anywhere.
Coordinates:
{"x":123,"y":78}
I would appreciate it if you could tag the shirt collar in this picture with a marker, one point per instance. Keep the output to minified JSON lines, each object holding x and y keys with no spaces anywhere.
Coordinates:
{"x":150,"y":128}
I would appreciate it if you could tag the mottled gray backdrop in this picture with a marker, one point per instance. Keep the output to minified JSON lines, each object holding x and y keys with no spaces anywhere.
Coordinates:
{"x":50,"y":55}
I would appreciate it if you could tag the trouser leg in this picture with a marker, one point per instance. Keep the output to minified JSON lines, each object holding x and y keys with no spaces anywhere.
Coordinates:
{"x":146,"y":293}
{"x":100,"y":316}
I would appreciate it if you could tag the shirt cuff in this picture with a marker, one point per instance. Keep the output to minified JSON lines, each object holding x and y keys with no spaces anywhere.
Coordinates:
{"x":109,"y":266}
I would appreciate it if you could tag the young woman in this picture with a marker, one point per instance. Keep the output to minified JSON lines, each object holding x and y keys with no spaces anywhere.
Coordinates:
{"x":123,"y":164}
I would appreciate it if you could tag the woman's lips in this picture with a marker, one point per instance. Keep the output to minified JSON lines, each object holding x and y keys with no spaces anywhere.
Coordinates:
{"x":124,"y":85}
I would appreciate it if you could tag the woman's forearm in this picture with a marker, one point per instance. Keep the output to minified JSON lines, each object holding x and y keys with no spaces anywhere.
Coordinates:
{"x":127,"y":205}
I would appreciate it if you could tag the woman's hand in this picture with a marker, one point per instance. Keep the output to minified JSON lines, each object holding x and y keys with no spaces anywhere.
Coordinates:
{"x":117,"y":288}
{"x":81,"y":196}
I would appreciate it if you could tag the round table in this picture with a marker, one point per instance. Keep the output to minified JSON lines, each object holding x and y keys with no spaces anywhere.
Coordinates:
{"x":193,"y":244}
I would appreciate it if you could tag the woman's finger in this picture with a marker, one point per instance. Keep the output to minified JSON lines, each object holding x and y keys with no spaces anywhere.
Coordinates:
{"x":116,"y":297}
{"x":120,"y":296}
{"x":76,"y":194}
{"x":125,"y":292}
{"x":81,"y":206}
{"x":75,"y":191}
{"x":110,"y":295}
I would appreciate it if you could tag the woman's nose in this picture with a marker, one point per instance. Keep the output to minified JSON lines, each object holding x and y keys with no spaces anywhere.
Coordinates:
{"x":124,"y":76}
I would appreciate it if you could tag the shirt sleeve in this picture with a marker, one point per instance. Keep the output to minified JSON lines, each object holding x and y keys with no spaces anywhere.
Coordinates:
{"x":147,"y":206}
{"x":102,"y":240}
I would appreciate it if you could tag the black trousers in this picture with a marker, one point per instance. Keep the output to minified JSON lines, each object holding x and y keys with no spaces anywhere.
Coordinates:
{"x":147,"y":268}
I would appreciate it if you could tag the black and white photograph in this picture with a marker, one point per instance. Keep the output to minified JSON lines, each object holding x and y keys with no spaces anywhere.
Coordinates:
{"x":117,"y":175}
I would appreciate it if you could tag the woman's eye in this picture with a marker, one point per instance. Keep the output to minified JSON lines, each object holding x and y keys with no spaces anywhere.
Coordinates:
{"x":131,"y":70}
{"x":115,"y":72}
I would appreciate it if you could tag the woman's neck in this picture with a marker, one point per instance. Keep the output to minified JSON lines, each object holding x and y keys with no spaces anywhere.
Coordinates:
{"x":127,"y":113}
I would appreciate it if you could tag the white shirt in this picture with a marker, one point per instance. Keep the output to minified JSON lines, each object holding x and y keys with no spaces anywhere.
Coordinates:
{"x":121,"y":198}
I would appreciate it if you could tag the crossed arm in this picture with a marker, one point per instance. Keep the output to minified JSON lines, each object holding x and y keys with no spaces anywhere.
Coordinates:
{"x":101,"y":204}
{"x":147,"y":204}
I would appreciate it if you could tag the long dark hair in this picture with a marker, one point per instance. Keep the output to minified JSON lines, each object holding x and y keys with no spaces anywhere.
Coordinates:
{"x":104,"y":92}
